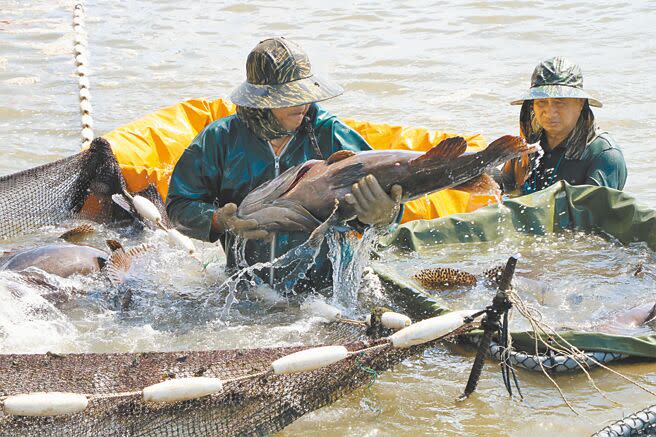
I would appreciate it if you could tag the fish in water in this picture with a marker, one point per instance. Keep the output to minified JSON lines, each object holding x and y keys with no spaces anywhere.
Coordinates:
{"x":440,"y":278}
{"x":78,"y":233}
{"x":624,"y":321}
{"x":445,"y":278}
{"x":303,"y":197}
{"x":64,"y":260}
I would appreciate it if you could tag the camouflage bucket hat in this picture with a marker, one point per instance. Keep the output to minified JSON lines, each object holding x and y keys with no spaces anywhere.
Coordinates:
{"x":278,"y":76}
{"x":557,"y":78}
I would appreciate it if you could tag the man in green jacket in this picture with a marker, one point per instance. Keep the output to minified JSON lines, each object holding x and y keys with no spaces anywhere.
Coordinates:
{"x":277,"y":125}
{"x":556,"y":112}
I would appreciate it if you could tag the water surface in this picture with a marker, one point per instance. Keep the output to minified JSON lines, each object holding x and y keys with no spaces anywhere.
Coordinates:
{"x":441,"y":65}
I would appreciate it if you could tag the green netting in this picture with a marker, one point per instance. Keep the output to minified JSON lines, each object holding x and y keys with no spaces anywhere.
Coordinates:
{"x":592,"y":209}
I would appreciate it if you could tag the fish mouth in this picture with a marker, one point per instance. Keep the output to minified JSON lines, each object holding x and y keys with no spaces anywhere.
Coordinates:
{"x":302,"y":172}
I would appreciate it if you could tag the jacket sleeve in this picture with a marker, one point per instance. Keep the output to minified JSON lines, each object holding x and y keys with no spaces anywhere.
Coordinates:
{"x":608,"y":169}
{"x":194,"y":187}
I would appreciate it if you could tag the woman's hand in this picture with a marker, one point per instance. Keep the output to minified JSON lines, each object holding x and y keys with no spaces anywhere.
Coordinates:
{"x":225,"y":219}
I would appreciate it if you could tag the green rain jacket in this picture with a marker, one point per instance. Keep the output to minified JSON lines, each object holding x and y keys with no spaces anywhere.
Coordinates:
{"x":601,"y":163}
{"x":226,"y":161}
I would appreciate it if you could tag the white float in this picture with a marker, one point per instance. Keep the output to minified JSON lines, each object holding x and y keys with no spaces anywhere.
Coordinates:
{"x":181,"y":240}
{"x":45,"y":404}
{"x":321,"y":309}
{"x":181,"y":389}
{"x":146,"y":209}
{"x":429,"y":329}
{"x":396,"y":321}
{"x":309,"y":359}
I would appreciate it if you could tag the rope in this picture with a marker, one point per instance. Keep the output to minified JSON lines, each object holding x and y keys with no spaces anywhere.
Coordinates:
{"x":635,"y":424}
{"x":359,"y":353}
{"x":81,"y":61}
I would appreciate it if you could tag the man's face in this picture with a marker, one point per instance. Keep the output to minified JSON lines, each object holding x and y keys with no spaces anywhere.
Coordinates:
{"x":290,"y":118}
{"x":558,"y":116}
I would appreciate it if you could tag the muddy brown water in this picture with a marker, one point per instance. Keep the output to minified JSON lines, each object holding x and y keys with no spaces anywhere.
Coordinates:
{"x":442,"y":65}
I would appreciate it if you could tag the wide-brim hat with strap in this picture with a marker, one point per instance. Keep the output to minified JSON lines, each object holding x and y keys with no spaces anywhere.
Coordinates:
{"x":278,"y":75}
{"x":557,"y":78}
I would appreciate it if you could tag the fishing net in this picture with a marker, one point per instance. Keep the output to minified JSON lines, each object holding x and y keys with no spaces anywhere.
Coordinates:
{"x":53,"y":192}
{"x":79,"y":186}
{"x":253,"y":400}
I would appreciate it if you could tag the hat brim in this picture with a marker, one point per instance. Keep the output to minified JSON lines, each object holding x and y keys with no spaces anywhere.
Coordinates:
{"x":299,"y":92}
{"x":557,"y":92}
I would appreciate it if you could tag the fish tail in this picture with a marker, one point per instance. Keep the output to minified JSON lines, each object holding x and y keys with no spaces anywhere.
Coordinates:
{"x":509,"y":147}
{"x":120,"y":261}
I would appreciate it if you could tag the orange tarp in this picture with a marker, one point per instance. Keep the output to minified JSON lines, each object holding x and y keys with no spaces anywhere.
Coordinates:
{"x":148,"y":148}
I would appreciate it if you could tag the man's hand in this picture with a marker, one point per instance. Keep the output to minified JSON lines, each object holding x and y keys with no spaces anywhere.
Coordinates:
{"x":519,"y":168}
{"x":225,"y":219}
{"x":373,"y":205}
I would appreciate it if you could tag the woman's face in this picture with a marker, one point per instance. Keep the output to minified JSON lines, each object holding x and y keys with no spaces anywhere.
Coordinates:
{"x":292,"y":117}
{"x":558,"y":116}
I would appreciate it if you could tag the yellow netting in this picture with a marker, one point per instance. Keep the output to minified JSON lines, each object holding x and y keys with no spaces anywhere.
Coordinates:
{"x":147,"y":150}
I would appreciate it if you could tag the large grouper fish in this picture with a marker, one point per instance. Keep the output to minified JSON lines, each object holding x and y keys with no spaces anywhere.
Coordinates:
{"x":64,"y":260}
{"x":304,"y":197}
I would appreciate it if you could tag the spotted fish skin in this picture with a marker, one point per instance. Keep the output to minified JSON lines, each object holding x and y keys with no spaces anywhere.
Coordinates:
{"x":439,"y":278}
{"x":494,"y":274}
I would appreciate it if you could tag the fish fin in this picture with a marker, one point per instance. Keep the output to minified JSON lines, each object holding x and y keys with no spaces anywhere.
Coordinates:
{"x":139,"y":250}
{"x":289,"y":211}
{"x":118,"y":265}
{"x":339,"y":155}
{"x":509,"y":144}
{"x":319,"y":234}
{"x":447,"y":149}
{"x":349,"y":175}
{"x":482,"y":184}
{"x":77,"y":233}
{"x":651,"y":316}
{"x":113,"y":245}
{"x":123,"y":202}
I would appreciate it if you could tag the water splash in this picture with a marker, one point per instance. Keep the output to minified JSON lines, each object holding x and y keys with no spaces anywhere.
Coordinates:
{"x":349,"y":256}
{"x":296,"y":261}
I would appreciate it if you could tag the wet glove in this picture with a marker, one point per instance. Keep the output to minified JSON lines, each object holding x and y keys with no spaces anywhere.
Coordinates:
{"x":225,"y":219}
{"x":372,"y":204}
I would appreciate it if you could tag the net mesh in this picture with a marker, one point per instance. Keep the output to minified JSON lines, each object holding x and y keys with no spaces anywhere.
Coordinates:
{"x":79,"y":186}
{"x":259,"y":405}
{"x":51,"y":193}
{"x":82,"y":186}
